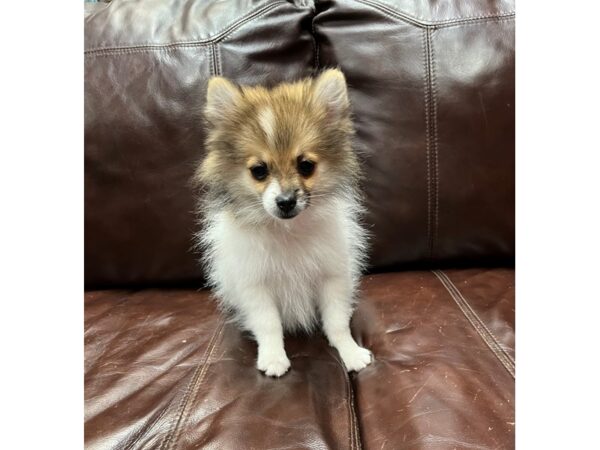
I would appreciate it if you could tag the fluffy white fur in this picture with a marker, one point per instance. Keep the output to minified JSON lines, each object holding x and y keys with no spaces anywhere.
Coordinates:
{"x":277,"y":274}
{"x":287,"y":275}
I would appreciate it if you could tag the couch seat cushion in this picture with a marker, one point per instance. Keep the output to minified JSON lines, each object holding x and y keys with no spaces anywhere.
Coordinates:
{"x":163,"y":370}
{"x":444,"y":374}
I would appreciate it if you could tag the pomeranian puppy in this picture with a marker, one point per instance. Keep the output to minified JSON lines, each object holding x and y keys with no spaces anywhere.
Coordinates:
{"x":282,"y":244}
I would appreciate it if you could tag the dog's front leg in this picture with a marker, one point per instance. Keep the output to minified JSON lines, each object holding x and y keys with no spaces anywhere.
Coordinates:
{"x":336,"y":310}
{"x":262,"y":318}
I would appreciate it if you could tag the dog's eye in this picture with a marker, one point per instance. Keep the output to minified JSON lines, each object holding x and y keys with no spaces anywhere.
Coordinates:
{"x":259,"y":172}
{"x":306,"y":167}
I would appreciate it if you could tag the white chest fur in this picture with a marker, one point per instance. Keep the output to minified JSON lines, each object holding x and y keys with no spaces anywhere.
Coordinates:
{"x":290,"y":259}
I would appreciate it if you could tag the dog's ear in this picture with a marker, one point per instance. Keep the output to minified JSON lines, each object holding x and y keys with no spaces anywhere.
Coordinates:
{"x":330,"y":88}
{"x":222,"y":96}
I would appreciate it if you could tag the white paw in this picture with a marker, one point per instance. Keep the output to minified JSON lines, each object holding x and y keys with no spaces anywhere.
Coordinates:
{"x":273,"y":365}
{"x":356,"y":358}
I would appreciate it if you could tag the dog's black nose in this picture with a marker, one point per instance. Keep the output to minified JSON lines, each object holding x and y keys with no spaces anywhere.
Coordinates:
{"x":286,"y":202}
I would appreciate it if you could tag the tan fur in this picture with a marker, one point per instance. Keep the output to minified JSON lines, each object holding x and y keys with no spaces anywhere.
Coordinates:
{"x":282,"y":242}
{"x":250,"y":125}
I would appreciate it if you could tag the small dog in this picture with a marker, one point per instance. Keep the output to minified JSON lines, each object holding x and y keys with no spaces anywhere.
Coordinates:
{"x":283,"y":248}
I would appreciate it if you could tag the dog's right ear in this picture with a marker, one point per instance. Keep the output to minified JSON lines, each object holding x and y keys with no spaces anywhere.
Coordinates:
{"x":330,"y":88}
{"x":221,"y":98}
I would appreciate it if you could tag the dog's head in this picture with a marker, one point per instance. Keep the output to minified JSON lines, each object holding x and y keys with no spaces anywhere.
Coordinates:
{"x":272,"y":153}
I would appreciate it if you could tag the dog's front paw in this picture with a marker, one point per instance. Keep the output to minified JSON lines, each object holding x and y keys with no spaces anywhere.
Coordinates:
{"x":273,"y":365}
{"x":356,"y":358}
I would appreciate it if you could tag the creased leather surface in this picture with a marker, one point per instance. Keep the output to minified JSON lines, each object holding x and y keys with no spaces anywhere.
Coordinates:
{"x":141,"y":348}
{"x":435,"y":384}
{"x":432,"y":87}
{"x":146,"y":68}
{"x":449,"y":11}
{"x":162,"y":371}
{"x":491,"y":294}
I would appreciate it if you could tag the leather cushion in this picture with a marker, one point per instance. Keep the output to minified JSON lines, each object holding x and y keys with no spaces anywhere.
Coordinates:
{"x":147,"y":63}
{"x":444,"y":375}
{"x":163,"y":370}
{"x":432,"y":88}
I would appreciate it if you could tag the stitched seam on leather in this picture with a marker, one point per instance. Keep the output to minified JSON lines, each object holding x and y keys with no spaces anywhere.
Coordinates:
{"x":194,"y":392}
{"x":350,"y":406}
{"x":219,"y":67}
{"x":357,"y":440}
{"x":454,"y":25}
{"x":168,"y":435}
{"x":144,"y":430}
{"x":316,"y":62}
{"x":481,"y":328}
{"x":353,"y":436}
{"x":426,"y":89}
{"x":477,"y":323}
{"x":166,"y":440}
{"x":468,"y":305}
{"x":172,"y":435}
{"x":433,"y":90}
{"x":220,"y":35}
{"x":488,"y":339}
{"x":431,"y":142}
{"x":211,"y":52}
{"x":392,"y":12}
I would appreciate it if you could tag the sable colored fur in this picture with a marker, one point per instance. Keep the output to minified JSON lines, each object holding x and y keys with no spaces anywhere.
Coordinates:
{"x":283,"y":247}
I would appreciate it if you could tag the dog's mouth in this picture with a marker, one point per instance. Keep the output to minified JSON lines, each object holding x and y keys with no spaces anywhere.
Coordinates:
{"x":287,"y":215}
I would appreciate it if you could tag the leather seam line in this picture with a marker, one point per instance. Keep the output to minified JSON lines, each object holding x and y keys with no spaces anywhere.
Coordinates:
{"x":219,"y":66}
{"x":144,"y":431}
{"x":476,"y":321}
{"x":170,"y":439}
{"x":431,"y":142}
{"x":453,"y":25}
{"x":354,"y":434}
{"x":194,"y":392}
{"x":357,"y":440}
{"x":393,"y":13}
{"x":219,"y":36}
{"x":433,"y":105}
{"x":468,"y":305}
{"x":483,"y":331}
{"x":213,"y":64}
{"x":426,"y":85}
{"x":317,"y":58}
{"x":215,"y":58}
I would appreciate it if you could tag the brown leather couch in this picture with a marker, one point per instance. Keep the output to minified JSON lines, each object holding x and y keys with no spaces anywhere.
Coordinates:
{"x":432,"y":88}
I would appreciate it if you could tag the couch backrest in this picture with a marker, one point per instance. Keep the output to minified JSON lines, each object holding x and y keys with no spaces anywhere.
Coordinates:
{"x":432,"y":87}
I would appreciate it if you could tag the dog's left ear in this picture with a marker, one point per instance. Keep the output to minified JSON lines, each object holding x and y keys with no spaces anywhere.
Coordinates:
{"x":330,"y":88}
{"x":222,"y":96}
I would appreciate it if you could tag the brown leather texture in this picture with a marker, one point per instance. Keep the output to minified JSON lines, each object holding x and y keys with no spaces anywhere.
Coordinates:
{"x":437,"y":382}
{"x":432,"y":89}
{"x":145,"y":84}
{"x":164,"y":371}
